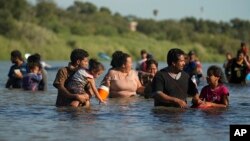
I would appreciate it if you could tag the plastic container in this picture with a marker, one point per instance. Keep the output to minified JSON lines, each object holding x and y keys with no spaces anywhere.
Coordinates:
{"x":103,"y":91}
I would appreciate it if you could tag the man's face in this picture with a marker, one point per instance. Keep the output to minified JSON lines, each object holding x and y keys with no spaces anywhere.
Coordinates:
{"x":180,"y":63}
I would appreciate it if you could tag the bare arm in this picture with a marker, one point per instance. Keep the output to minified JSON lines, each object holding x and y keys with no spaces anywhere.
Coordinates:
{"x":166,"y":98}
{"x":93,"y":87}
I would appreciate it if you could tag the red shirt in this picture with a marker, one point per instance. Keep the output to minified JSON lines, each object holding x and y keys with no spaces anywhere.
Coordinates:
{"x":214,"y":95}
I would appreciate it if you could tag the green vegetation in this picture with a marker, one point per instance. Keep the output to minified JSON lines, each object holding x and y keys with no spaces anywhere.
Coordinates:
{"x":54,"y":32}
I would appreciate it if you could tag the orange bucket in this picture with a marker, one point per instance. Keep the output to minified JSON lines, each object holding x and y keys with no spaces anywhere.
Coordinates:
{"x":103,"y":91}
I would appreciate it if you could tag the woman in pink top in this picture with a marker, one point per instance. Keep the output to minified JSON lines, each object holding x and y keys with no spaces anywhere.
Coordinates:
{"x":215,"y":94}
{"x":121,"y":79}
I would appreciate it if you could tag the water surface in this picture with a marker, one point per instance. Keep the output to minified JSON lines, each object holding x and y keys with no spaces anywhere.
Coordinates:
{"x":33,"y":116}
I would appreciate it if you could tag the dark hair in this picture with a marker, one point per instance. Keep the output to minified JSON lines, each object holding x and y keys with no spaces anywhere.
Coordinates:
{"x":191,"y":53}
{"x":115,"y":57}
{"x":173,"y":55}
{"x":242,"y":44}
{"x":143,"y":51}
{"x":216,"y":71}
{"x":34,"y":58}
{"x":78,"y":54}
{"x":32,"y":65}
{"x":239,"y":52}
{"x":16,"y":54}
{"x":150,"y":62}
{"x":122,"y":60}
{"x":95,"y":66}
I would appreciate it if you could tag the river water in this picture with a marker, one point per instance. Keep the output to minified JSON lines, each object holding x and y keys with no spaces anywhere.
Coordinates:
{"x":33,"y":116}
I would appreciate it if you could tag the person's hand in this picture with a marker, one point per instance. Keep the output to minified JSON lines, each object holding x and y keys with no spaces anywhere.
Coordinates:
{"x":82,"y":97}
{"x":18,"y":74}
{"x":181,"y":103}
{"x":102,"y":102}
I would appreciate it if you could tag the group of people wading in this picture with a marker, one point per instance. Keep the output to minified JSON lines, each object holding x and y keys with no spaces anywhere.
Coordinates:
{"x":169,"y":87}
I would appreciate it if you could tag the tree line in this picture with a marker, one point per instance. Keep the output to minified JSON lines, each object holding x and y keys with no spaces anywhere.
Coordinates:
{"x":84,"y":19}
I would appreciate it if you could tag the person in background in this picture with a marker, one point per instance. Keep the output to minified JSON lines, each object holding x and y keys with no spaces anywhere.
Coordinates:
{"x":36,"y":58}
{"x":16,"y":71}
{"x":121,"y":79}
{"x":194,"y":67}
{"x":32,"y":79}
{"x":143,"y":59}
{"x":146,"y":80}
{"x":239,"y":68}
{"x":215,"y":94}
{"x":227,"y":66}
{"x":82,"y":78}
{"x":171,"y":85}
{"x":79,"y":58}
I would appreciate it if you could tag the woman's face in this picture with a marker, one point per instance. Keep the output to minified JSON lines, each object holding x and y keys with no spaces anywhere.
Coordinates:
{"x":152,"y":69}
{"x":128,"y":65}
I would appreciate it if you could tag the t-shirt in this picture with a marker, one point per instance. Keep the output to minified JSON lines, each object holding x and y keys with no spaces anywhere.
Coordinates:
{"x":214,"y":95}
{"x":122,"y":84}
{"x":238,"y":72}
{"x":61,"y":79}
{"x":13,"y":81}
{"x":31,"y":81}
{"x":181,"y":88}
{"x":78,"y":82}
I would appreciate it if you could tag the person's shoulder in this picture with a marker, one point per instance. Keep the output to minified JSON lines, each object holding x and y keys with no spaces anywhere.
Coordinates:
{"x":205,"y":87}
{"x":85,"y":73}
{"x":224,"y":88}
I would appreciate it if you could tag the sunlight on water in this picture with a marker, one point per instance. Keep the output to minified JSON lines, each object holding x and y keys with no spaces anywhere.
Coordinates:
{"x":28,"y":116}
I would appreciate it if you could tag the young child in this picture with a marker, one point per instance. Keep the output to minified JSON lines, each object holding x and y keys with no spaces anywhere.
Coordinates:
{"x":32,"y":79}
{"x":215,"y":94}
{"x":83,"y":78}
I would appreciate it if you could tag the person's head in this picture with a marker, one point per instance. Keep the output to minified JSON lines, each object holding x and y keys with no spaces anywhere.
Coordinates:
{"x":144,"y":54}
{"x":96,"y":68}
{"x":34,"y":58}
{"x":176,"y":59}
{"x":151,"y":66}
{"x":16,"y":56}
{"x":115,"y":57}
{"x":79,"y":58}
{"x":214,"y":75}
{"x":240,"y":55}
{"x":123,"y":61}
{"x":228,"y":56}
{"x":34,"y":67}
{"x":192,"y":55}
{"x":244,"y":48}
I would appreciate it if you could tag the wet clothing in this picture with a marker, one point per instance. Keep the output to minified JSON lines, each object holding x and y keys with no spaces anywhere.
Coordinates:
{"x":14,"y":82}
{"x":214,"y":95}
{"x":122,"y":84}
{"x":31,"y":81}
{"x":238,"y":72}
{"x":181,"y":88}
{"x":78,"y":82}
{"x":61,"y":79}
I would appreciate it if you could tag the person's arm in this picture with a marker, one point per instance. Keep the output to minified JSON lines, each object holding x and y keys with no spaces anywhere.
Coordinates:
{"x":59,"y":82}
{"x":247,"y":62}
{"x":140,"y":88}
{"x":224,"y":104}
{"x":166,"y":98}
{"x":93,"y":87}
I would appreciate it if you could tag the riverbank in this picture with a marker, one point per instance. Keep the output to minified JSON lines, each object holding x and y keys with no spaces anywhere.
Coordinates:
{"x":58,"y":46}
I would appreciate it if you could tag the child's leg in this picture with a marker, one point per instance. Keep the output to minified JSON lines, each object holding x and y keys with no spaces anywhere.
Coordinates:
{"x":75,"y":103}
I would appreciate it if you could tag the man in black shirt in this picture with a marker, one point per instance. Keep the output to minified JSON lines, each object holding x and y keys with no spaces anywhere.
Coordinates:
{"x":171,"y":86}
